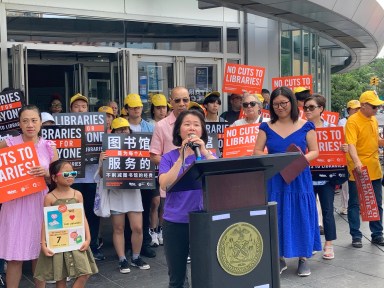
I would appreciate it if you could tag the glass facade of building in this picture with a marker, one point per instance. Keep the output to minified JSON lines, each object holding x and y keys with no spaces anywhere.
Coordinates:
{"x":300,"y":54}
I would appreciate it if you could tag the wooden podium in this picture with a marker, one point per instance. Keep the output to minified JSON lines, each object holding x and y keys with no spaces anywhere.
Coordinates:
{"x":233,"y":241}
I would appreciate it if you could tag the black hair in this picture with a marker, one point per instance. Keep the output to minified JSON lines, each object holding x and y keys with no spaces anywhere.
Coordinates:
{"x":265,"y":91}
{"x":129,"y":128}
{"x":212,"y":99}
{"x":179,"y":120}
{"x":286,"y":92}
{"x":153,"y":109}
{"x":319,"y":99}
{"x":303,"y":95}
{"x":6,"y":89}
{"x":29,"y":107}
{"x":55,"y":168}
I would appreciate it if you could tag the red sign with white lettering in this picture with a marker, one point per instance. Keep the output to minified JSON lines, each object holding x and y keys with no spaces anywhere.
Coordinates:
{"x":292,"y":82}
{"x":329,"y":141}
{"x":243,"y":78}
{"x":368,"y":205}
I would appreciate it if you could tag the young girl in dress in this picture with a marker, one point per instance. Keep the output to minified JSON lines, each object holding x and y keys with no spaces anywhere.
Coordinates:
{"x":77,"y":264}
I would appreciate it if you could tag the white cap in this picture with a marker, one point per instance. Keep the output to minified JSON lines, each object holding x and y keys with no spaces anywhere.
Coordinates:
{"x":47,"y":117}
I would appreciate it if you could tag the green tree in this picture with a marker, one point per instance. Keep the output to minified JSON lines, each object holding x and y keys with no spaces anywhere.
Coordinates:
{"x":348,"y":86}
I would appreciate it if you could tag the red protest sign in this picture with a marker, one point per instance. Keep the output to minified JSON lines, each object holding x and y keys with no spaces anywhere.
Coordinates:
{"x":329,"y":141}
{"x":15,"y":181}
{"x":292,"y":82}
{"x":368,"y":205}
{"x":265,"y":113}
{"x":239,"y":78}
{"x":240,"y":140}
{"x":330,"y":117}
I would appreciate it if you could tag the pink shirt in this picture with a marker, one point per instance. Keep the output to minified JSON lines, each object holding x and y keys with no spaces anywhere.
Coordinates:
{"x":161,"y":142}
{"x":162,"y":136}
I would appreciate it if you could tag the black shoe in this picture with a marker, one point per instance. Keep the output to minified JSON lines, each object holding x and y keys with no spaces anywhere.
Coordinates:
{"x":378,"y":240}
{"x":357,"y":243}
{"x":124,"y":266}
{"x":321,"y":228}
{"x":140,"y":263}
{"x":98,"y":255}
{"x":2,"y":280}
{"x":147,"y":252}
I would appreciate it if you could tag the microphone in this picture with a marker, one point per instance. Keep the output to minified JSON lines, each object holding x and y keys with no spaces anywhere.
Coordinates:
{"x":195,"y":147}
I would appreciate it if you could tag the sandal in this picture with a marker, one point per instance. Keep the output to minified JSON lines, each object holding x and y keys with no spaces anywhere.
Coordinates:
{"x":328,"y":253}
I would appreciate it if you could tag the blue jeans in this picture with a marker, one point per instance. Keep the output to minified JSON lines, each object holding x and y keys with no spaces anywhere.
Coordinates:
{"x":376,"y":227}
{"x":326,"y":194}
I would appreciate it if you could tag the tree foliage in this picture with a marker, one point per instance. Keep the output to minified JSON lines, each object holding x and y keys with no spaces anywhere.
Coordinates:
{"x":348,"y":86}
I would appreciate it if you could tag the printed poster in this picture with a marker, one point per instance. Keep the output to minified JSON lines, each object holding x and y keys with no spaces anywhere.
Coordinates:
{"x":128,"y":165}
{"x":64,"y":227}
{"x":240,"y":140}
{"x":331,"y":162}
{"x":239,"y":78}
{"x":70,"y":144}
{"x":15,"y":181}
{"x":10,"y":103}
{"x":217,"y":129}
{"x":155,"y":78}
{"x":95,"y":125}
{"x":292,"y":82}
{"x":201,"y":78}
{"x":368,"y":205}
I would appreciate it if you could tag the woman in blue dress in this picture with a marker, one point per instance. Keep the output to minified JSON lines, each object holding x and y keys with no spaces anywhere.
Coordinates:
{"x":298,"y":227}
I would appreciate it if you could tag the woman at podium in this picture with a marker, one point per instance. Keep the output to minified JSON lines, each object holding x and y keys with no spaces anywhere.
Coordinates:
{"x":296,"y":204}
{"x":190,"y":135}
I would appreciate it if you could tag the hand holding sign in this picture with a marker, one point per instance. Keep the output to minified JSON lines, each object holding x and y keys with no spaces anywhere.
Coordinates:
{"x":37,"y":171}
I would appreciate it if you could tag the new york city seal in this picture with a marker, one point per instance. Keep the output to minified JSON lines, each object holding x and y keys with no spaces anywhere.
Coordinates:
{"x":239,"y":248}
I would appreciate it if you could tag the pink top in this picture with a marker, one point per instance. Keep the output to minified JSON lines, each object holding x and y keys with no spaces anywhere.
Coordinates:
{"x":21,"y":219}
{"x":161,"y":142}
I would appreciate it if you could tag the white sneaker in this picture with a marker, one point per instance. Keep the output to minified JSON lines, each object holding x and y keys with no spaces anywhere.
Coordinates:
{"x":155,"y":241}
{"x":160,"y":237}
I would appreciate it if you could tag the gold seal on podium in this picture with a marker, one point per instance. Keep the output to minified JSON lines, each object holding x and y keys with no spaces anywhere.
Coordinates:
{"x":239,"y":249}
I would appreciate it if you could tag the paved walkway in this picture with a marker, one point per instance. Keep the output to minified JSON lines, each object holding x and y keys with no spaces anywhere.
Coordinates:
{"x":351,"y":267}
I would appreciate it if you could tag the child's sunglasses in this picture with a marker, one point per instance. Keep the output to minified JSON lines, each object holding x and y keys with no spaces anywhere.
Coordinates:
{"x":68,"y":174}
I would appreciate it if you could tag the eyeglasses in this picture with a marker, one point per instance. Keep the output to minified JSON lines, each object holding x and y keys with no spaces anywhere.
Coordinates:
{"x":281,"y":104}
{"x":68,"y":174}
{"x":252,"y":103}
{"x":185,"y":100}
{"x":310,"y":108}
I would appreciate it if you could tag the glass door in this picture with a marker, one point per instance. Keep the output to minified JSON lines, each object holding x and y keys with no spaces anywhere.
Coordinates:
{"x":154,"y":75}
{"x":201,"y":76}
